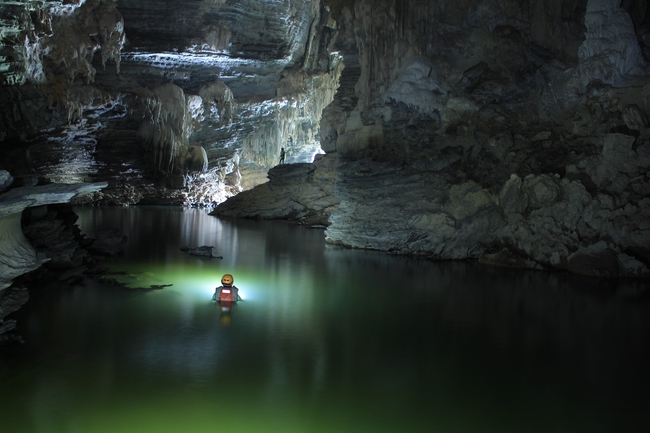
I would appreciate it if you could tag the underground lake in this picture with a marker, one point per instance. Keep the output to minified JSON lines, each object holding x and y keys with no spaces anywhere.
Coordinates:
{"x":327,"y":339}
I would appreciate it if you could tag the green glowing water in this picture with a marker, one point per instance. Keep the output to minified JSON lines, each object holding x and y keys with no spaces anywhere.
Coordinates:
{"x":327,"y":340}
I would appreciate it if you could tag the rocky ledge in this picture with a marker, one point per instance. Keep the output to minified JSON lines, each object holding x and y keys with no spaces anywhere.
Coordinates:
{"x":543,"y":221}
{"x":296,"y":192}
{"x":40,"y":240}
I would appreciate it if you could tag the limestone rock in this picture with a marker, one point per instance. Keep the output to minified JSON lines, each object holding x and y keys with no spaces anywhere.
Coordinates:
{"x":10,"y":300}
{"x":293,"y":193}
{"x":511,"y":131}
{"x":5,"y":180}
{"x":17,"y":256}
{"x":418,"y":87}
{"x":609,"y":39}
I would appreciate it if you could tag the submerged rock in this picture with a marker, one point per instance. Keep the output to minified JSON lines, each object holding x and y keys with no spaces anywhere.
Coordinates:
{"x":204,"y":251}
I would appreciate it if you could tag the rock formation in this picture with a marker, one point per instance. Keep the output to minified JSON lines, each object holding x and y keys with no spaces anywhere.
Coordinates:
{"x":41,"y":238}
{"x":484,"y":135}
{"x":17,"y":254}
{"x":187,"y":103}
{"x":510,"y":131}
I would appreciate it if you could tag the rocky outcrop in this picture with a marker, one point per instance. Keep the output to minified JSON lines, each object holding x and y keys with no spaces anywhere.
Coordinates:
{"x":511,"y":131}
{"x":487,"y":135}
{"x":67,"y":255}
{"x":190,"y":101}
{"x":17,"y":254}
{"x":295,"y":192}
{"x":40,"y":241}
{"x":507,"y":160}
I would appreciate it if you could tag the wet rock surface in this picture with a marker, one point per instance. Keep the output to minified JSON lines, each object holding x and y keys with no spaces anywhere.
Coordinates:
{"x":163,"y":110}
{"x":514,"y":132}
{"x":517,"y":154}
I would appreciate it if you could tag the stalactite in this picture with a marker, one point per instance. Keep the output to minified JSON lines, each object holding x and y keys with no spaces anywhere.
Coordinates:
{"x":218,"y":101}
{"x":300,"y":104}
{"x":171,"y":118}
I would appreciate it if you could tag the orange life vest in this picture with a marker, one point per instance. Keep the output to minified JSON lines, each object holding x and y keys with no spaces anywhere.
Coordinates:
{"x":226,"y":295}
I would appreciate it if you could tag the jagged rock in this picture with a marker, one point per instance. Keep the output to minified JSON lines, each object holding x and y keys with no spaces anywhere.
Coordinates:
{"x":635,"y":118}
{"x":294,"y":192}
{"x":419,"y":87}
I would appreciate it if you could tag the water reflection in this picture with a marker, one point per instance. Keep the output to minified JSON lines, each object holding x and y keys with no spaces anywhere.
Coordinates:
{"x":328,"y":339}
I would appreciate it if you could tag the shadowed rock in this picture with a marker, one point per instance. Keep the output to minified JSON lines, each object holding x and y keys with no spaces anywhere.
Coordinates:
{"x":203,"y":251}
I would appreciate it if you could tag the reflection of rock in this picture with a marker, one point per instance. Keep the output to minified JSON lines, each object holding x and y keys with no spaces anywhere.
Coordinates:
{"x":204,"y":251}
{"x":10,"y":300}
{"x":108,"y":242}
{"x":53,"y":232}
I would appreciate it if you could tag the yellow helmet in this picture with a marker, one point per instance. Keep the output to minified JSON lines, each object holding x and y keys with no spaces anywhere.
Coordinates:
{"x":227,"y":280}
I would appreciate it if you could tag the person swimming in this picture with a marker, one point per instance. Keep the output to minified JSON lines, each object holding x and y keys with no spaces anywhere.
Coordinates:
{"x":227,"y":293}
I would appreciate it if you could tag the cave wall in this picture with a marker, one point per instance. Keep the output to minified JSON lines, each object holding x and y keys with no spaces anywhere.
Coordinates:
{"x":504,"y":130}
{"x":510,"y":131}
{"x":188,"y":95}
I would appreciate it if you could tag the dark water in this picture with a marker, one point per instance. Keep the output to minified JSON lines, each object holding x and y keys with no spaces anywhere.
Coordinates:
{"x":327,"y":340}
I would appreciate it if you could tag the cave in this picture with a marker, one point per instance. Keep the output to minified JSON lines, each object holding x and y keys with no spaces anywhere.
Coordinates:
{"x":510,"y":134}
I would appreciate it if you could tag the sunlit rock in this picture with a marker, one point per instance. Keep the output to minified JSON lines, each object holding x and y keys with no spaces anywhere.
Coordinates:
{"x":296,"y":192}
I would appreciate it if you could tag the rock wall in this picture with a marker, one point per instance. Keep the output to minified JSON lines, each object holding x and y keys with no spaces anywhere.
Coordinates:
{"x":510,"y":131}
{"x":191,"y":100}
{"x":512,"y":148}
{"x":513,"y":132}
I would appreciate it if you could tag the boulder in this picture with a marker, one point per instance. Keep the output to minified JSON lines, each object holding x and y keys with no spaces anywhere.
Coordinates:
{"x":203,"y":251}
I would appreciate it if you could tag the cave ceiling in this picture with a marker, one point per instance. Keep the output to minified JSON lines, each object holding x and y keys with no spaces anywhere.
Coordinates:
{"x":163,"y":95}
